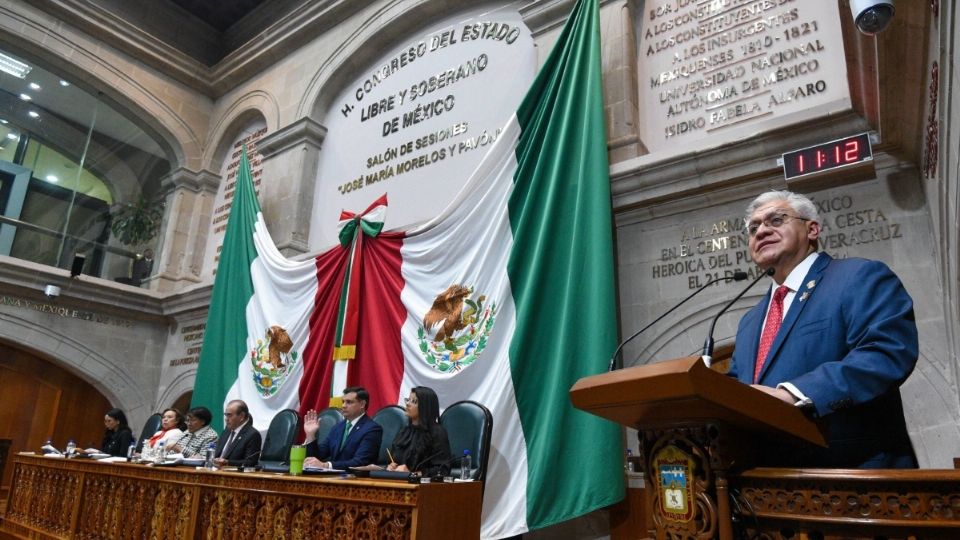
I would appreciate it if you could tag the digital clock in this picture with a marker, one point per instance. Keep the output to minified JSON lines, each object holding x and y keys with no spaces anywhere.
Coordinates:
{"x":827,"y":156}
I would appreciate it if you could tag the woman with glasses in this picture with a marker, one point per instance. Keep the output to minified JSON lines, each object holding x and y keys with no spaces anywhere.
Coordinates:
{"x":422,"y":445}
{"x":117,"y":437}
{"x":199,"y":434}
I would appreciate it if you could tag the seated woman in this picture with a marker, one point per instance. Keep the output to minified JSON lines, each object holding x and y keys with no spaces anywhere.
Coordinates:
{"x":199,"y":434}
{"x":117,"y":437}
{"x":171,"y":428}
{"x":422,"y":445}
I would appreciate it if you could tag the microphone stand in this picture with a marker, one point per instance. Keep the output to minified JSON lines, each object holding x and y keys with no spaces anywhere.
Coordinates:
{"x":708,"y":344}
{"x":243,"y":464}
{"x":737,"y":276}
{"x":416,"y":476}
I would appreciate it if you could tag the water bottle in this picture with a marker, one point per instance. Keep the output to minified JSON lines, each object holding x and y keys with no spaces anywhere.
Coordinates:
{"x":146,"y":452}
{"x":161,"y":454}
{"x":465,"y":472}
{"x":71,"y":448}
{"x":208,"y":456}
{"x":628,"y":466}
{"x":131,"y":450}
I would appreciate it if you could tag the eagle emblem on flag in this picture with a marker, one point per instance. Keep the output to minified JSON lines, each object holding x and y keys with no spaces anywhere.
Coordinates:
{"x":455,"y":330}
{"x":272,"y":359}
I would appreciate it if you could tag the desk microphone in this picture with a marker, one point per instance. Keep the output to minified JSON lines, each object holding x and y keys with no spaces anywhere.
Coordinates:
{"x":708,"y":344}
{"x":244,"y":462}
{"x":737,"y":276}
{"x":415,"y":476}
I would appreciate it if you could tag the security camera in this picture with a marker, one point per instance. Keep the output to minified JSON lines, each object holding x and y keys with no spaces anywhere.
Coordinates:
{"x":871,"y":16}
{"x":52,"y":291}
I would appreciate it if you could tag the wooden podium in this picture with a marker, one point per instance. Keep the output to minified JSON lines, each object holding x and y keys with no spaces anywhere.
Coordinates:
{"x":696,"y":425}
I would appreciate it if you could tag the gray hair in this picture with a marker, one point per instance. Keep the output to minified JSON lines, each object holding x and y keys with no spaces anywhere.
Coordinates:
{"x":802,"y":205}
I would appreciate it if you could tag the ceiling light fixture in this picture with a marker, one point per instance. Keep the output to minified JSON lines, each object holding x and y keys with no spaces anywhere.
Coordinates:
{"x":12,"y":136}
{"x":25,"y":97}
{"x":34,"y":86}
{"x":14,"y":67}
{"x":34,"y":114}
{"x":64,"y":83}
{"x":52,"y":178}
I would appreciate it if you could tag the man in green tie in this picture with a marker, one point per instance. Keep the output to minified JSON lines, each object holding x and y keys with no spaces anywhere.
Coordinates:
{"x":354,"y":442}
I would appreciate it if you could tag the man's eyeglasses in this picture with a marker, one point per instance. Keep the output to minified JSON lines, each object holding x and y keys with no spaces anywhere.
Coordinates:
{"x":774,"y":221}
{"x":409,"y":401}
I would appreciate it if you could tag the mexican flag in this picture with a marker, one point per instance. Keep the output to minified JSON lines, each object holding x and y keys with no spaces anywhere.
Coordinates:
{"x":506,"y":298}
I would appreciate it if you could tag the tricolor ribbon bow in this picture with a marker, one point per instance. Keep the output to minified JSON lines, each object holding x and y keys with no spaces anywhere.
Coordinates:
{"x":370,"y":222}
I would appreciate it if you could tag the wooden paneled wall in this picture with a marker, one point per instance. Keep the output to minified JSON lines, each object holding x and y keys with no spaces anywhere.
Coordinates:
{"x":40,"y":400}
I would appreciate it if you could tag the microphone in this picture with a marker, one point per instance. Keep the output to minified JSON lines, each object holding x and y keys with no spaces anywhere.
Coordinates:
{"x":737,"y":276}
{"x":244,"y":462}
{"x":426,"y":460}
{"x":708,"y":344}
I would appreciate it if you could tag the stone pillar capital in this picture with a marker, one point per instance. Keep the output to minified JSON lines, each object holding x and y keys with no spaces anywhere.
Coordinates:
{"x":202,"y":181}
{"x":305,"y":131}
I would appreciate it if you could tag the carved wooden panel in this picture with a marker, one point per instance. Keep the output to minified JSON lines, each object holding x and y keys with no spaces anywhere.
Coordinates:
{"x":850,"y":504}
{"x":43,"y":498}
{"x":89,"y":500}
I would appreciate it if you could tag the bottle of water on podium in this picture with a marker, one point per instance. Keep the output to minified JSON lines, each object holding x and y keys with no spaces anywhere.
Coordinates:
{"x":71,"y":448}
{"x":208,"y":456}
{"x":465,"y":465}
{"x":131,"y":450}
{"x":161,"y":454}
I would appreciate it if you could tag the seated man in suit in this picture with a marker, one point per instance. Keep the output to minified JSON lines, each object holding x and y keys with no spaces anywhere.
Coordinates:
{"x":834,"y":336}
{"x":240,"y":442}
{"x":351,"y":443}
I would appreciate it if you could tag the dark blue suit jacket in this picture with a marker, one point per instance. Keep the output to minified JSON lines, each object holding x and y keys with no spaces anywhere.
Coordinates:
{"x":361,"y":448}
{"x":847,"y":342}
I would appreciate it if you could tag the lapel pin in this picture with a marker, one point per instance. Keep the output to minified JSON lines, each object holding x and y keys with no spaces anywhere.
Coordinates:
{"x":804,"y":296}
{"x":811,"y":284}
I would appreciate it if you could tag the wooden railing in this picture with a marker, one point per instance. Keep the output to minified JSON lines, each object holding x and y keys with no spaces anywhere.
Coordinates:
{"x":844,"y":503}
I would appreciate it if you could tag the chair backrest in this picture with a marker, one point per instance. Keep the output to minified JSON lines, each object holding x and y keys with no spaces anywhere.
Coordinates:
{"x":151,"y":426}
{"x":391,"y":418}
{"x":469,"y":426}
{"x":328,"y":418}
{"x":283,"y":428}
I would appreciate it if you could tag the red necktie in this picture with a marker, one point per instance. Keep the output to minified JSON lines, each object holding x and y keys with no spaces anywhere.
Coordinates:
{"x":770,"y":329}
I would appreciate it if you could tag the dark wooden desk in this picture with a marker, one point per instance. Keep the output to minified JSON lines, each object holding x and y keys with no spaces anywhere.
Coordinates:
{"x":58,"y":498}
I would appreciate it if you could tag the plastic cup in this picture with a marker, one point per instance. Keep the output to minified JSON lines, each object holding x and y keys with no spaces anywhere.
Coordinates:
{"x":298,"y":453}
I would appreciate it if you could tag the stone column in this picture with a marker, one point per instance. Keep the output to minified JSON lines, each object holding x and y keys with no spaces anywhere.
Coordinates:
{"x":290,"y":157}
{"x":620,"y":92}
{"x":189,"y":199}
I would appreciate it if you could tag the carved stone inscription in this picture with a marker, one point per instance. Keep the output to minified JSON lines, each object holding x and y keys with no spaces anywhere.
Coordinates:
{"x":716,"y":249}
{"x":707,"y":67}
{"x":224,"y":198}
{"x":191,"y":340}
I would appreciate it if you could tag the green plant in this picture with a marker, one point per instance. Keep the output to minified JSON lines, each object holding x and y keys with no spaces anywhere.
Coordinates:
{"x":138,"y":223}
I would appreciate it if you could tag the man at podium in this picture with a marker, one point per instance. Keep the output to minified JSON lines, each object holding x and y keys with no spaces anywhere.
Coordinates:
{"x":834,"y":336}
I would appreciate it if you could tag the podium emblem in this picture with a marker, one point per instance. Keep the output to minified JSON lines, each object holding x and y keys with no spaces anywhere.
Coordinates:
{"x":674,"y":469}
